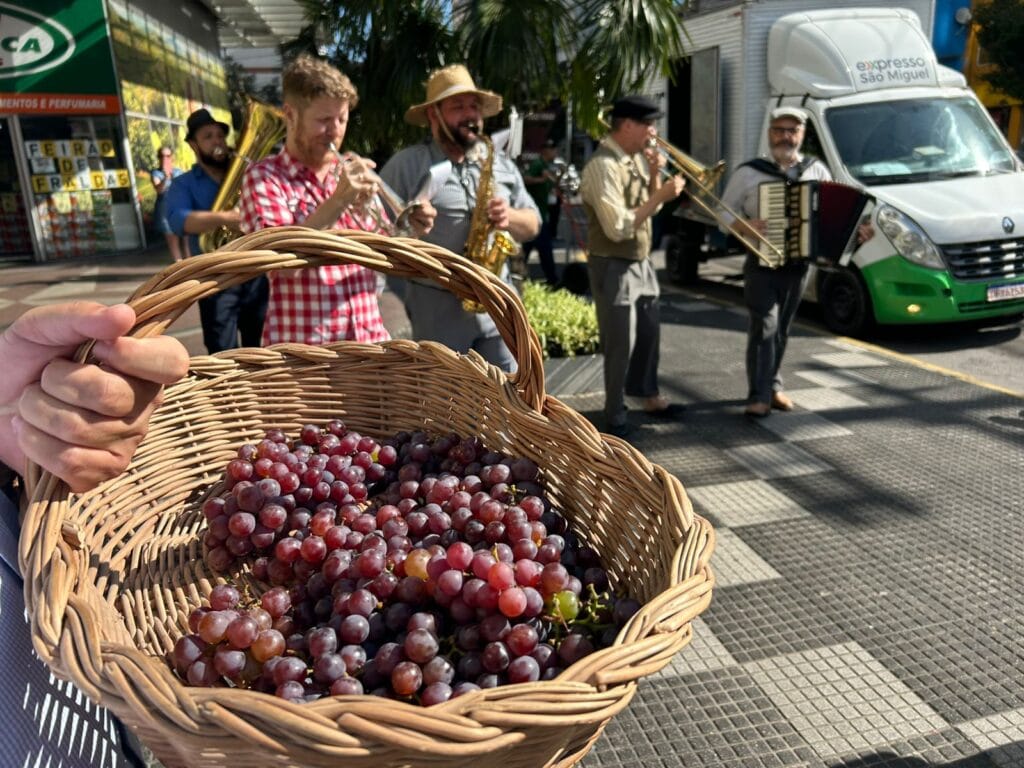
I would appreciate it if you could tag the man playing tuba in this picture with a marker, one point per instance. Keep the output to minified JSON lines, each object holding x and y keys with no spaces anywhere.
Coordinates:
{"x":454,"y":111}
{"x":238,"y":310}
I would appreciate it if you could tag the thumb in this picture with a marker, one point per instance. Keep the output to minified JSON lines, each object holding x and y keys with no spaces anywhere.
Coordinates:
{"x":69,"y":324}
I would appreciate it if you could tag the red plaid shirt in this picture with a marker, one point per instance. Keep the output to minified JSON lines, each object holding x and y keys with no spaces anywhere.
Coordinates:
{"x":316,"y":305}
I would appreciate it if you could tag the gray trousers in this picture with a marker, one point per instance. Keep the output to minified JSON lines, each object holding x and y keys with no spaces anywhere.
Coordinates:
{"x":626,"y":299}
{"x":772,"y":297}
{"x":437,"y":315}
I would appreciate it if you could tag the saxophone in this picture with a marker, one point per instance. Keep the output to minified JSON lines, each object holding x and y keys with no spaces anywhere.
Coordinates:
{"x":264,"y":127}
{"x":486,"y":245}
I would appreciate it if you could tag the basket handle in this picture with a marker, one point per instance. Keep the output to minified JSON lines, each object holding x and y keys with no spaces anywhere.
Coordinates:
{"x":165,"y":296}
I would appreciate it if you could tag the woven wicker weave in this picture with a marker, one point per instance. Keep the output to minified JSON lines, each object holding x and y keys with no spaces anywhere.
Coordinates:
{"x":112,"y":574}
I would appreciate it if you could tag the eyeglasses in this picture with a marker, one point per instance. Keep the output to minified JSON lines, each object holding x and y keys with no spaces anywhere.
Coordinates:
{"x":165,"y":154}
{"x":786,"y":131}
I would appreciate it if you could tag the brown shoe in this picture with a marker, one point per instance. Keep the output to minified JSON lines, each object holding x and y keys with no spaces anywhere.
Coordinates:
{"x":758,"y":410}
{"x":781,"y":402}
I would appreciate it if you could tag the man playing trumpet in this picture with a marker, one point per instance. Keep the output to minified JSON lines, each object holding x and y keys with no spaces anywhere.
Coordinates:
{"x":454,"y":111}
{"x":311,"y":183}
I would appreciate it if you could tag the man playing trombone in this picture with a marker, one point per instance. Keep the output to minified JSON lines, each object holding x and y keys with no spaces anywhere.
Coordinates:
{"x":622,"y":189}
{"x":312,"y":184}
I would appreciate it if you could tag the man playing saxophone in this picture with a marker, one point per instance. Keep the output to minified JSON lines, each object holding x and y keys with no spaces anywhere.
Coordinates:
{"x":454,"y":111}
{"x":239,"y":310}
{"x":310,"y":182}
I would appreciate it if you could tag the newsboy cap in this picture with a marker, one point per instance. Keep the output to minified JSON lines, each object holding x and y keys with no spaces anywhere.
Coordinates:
{"x":636,"y":107}
{"x":201,"y":118}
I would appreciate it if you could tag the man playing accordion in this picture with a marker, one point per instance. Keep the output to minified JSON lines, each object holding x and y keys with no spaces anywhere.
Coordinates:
{"x":772,"y":295}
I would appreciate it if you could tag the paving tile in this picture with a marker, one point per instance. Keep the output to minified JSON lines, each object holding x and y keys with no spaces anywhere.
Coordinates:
{"x":824,"y":399}
{"x":835,"y":378}
{"x":800,"y":425}
{"x":963,"y":669}
{"x":736,"y":563}
{"x":850,"y":360}
{"x":841,"y":699}
{"x":704,"y":653}
{"x":769,"y":460}
{"x":1000,"y":735}
{"x":772,"y":618}
{"x":947,"y":748}
{"x":705,"y":720}
{"x":747,"y":502}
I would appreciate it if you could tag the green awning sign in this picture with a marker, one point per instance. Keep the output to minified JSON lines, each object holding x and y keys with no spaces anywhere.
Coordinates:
{"x":31,"y":43}
{"x":55,"y":58}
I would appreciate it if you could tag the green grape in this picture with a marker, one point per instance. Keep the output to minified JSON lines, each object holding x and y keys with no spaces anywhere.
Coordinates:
{"x":565,"y":605}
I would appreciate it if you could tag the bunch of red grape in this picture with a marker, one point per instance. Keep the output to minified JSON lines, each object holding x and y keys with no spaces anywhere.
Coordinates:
{"x":418,"y":568}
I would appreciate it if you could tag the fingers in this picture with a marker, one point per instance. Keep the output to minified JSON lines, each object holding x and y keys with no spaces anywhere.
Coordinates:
{"x":162,"y":360}
{"x":69,"y":324}
{"x":81,"y":467}
{"x":94,"y":389}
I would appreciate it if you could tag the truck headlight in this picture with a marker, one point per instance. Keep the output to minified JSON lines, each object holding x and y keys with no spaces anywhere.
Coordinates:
{"x":908,"y":238}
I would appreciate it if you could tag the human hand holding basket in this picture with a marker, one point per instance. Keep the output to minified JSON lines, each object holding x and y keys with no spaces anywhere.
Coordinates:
{"x":112,"y":574}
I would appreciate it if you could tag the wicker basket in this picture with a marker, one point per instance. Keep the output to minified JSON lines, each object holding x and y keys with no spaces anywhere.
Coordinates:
{"x":112,"y":574}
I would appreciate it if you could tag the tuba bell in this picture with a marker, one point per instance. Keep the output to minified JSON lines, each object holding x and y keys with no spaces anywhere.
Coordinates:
{"x":263,"y":128}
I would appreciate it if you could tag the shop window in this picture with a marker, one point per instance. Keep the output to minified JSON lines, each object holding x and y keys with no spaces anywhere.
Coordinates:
{"x":81,"y":185}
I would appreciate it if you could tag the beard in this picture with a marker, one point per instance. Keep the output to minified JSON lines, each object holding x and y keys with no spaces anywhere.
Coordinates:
{"x":218,"y":160}
{"x":464,"y":135}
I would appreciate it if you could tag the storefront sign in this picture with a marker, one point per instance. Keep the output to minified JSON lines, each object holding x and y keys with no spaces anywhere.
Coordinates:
{"x":55,"y":59}
{"x":70,"y":166}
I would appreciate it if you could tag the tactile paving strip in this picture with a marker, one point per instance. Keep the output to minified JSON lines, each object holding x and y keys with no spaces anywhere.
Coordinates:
{"x":841,"y":699}
{"x":748,"y":502}
{"x":770,"y":460}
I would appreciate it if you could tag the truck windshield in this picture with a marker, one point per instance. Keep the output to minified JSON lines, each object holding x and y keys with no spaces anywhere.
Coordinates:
{"x":900,"y":142}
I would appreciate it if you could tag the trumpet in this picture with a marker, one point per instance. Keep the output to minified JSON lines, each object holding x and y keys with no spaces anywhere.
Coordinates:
{"x":705,"y":179}
{"x":386,"y":195}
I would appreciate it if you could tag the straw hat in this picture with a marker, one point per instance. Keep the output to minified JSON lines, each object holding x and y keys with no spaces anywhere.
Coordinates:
{"x":451,"y":81}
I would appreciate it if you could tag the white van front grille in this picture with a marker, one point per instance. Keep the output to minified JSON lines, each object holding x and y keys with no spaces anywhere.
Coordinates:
{"x":989,"y":260}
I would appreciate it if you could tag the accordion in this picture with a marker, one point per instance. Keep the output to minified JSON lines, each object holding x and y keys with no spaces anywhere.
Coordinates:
{"x":814,"y":220}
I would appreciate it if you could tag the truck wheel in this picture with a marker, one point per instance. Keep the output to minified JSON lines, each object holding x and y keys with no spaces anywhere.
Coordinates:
{"x":845,"y":303}
{"x":681,"y":262}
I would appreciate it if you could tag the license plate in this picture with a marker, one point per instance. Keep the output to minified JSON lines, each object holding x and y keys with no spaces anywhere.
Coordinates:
{"x":1004,"y":292}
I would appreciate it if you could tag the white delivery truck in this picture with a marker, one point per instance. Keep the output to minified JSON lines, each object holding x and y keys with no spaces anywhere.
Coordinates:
{"x":886,"y":117}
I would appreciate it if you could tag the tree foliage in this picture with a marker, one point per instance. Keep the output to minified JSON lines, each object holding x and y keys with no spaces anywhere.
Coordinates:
{"x":1001,"y":34}
{"x":585,"y":52}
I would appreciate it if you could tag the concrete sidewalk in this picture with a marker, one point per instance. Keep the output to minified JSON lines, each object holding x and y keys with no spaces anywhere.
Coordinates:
{"x":870,"y":556}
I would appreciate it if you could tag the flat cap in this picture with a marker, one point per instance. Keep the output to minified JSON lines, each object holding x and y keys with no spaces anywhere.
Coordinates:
{"x":636,"y":107}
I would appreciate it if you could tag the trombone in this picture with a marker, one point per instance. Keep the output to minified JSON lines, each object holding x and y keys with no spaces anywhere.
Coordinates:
{"x":705,"y":179}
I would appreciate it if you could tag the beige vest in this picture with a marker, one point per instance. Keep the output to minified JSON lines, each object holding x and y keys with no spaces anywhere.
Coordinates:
{"x":635,"y":191}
